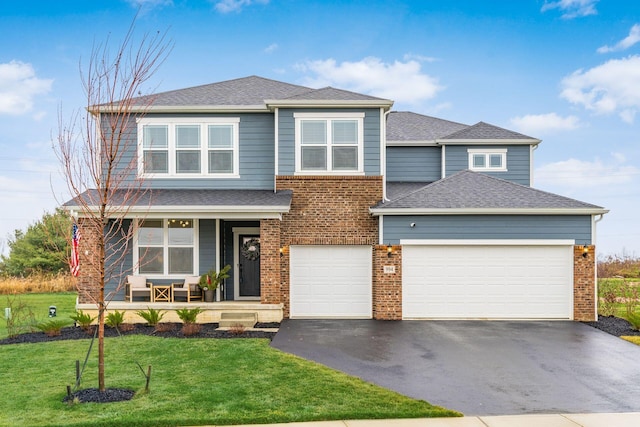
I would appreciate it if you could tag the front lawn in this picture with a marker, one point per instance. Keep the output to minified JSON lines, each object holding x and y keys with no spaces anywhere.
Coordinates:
{"x":194,"y":382}
{"x":633,"y":339}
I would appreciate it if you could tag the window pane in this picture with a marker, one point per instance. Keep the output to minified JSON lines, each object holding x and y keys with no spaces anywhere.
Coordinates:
{"x":180,"y":260}
{"x":155,"y":136}
{"x":188,"y":161}
{"x":314,"y":132}
{"x":151,"y":260}
{"x":187,"y":136}
{"x":181,"y":232}
{"x":345,"y":132}
{"x":221,"y":161}
{"x":495,"y":161}
{"x":156,"y":161}
{"x":345,"y":158}
{"x":220,"y":136}
{"x":150,"y":233}
{"x":314,"y":158}
{"x":479,"y":161}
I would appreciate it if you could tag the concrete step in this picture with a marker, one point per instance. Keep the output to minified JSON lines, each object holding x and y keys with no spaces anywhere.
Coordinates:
{"x":231,"y":319}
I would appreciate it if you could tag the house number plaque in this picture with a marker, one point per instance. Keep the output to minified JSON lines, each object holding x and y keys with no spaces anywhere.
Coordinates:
{"x":389,"y":269}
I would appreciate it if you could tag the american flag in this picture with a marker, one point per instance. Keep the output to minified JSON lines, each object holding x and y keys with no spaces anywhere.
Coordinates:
{"x":74,"y":262}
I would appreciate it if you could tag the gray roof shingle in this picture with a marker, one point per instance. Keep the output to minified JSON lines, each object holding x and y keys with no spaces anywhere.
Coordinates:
{"x":333,"y":94}
{"x":408,"y":126}
{"x":159,"y":198}
{"x":482,"y":130}
{"x":472,"y":190}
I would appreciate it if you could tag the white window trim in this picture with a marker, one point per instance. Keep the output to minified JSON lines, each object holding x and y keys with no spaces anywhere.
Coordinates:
{"x":204,"y":149}
{"x":165,"y":246}
{"x":487,"y":152}
{"x":299,"y":117}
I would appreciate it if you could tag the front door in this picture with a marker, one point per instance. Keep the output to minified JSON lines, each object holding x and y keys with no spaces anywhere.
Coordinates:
{"x":248,"y":283}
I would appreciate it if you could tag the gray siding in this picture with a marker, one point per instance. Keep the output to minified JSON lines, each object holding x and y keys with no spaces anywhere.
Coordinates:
{"x":577,"y":227}
{"x":207,"y":245}
{"x":256,"y":148}
{"x":414,"y":164}
{"x":286,"y":138}
{"x":518,"y":161}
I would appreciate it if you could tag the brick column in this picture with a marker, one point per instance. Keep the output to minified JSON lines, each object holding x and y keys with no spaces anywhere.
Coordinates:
{"x":270,"y":261}
{"x":88,"y":281}
{"x":584,"y":283}
{"x":387,"y":287}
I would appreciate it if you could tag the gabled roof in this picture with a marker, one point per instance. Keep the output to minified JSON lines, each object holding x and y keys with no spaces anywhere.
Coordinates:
{"x":468,"y":192}
{"x":404,"y":126}
{"x":486,"y":132}
{"x":251,"y":93}
{"x":201,"y":203}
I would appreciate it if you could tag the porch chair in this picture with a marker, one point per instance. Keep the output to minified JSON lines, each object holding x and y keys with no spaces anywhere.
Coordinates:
{"x":138,"y":285}
{"x":188,"y":289}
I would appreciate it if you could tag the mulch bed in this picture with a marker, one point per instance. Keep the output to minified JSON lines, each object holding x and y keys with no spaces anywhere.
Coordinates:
{"x":613,"y":325}
{"x":167,"y":330}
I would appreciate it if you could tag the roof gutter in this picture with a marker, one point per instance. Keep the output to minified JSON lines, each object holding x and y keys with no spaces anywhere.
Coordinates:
{"x":486,"y":211}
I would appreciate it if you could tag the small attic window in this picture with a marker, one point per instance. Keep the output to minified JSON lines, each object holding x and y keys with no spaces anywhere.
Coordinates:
{"x":494,"y":160}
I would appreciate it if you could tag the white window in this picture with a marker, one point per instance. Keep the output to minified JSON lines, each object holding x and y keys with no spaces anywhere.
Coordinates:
{"x":166,"y":247}
{"x":329,"y":143}
{"x":187,"y":148}
{"x":488,"y":160}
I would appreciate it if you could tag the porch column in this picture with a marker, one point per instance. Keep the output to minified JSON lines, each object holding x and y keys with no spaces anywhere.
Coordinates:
{"x":270,"y":280}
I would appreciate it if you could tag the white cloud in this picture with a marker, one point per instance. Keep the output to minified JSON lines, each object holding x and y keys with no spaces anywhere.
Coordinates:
{"x":271,"y":48}
{"x":399,"y":81}
{"x":420,"y":58}
{"x":625,"y":43}
{"x":572,"y":8}
{"x":19,"y":86}
{"x":226,"y":6}
{"x":613,"y":87}
{"x":533,"y":124}
{"x":583,"y":174}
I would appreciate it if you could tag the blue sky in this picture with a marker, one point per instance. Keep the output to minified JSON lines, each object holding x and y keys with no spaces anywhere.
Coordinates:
{"x":567,"y":72}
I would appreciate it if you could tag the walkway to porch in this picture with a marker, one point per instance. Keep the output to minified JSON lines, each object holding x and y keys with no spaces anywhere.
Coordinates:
{"x":212,"y":311}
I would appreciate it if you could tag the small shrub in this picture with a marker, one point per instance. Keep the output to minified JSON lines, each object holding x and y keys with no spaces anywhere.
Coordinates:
{"x":608,"y":291}
{"x":151,"y":315}
{"x":84,"y":320}
{"x":189,"y":329}
{"x":237,"y":329}
{"x":22,"y":318}
{"x":188,"y":315}
{"x":164,"y":327}
{"x":52,"y":327}
{"x":634,"y":320}
{"x":115,"y":319}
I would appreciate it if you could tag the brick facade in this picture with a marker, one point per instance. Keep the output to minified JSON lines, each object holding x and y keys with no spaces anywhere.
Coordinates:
{"x":270,"y":278}
{"x":387,"y":286}
{"x":326,"y":210}
{"x":584,"y":283}
{"x":88,"y":281}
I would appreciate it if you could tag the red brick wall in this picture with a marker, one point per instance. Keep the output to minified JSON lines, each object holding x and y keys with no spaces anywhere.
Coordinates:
{"x":584,"y":284}
{"x":88,"y":281}
{"x":327,"y":210}
{"x":387,"y":287}
{"x":270,"y":261}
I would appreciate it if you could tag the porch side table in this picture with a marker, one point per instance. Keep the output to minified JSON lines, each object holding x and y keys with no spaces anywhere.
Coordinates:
{"x":162,"y":293}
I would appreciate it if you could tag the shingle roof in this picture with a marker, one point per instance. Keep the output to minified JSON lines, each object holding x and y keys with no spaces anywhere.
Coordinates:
{"x":408,"y":126}
{"x":482,"y":130}
{"x":472,"y":190}
{"x":333,"y":94}
{"x":159,"y":198}
{"x":396,"y":190}
{"x":246,"y":91}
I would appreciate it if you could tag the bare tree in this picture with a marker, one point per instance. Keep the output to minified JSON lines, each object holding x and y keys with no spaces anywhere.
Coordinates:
{"x":98,"y":155}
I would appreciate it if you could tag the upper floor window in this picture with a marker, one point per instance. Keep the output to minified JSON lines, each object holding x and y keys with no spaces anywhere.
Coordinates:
{"x":186,"y":147}
{"x":329,"y":143}
{"x":488,"y":160}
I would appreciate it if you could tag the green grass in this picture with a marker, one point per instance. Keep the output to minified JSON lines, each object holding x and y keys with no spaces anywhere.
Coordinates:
{"x":194,"y":382}
{"x":633,"y":339}
{"x":39,"y":305}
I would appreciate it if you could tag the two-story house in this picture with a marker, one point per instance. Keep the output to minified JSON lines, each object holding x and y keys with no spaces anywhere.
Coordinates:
{"x":329,"y":205}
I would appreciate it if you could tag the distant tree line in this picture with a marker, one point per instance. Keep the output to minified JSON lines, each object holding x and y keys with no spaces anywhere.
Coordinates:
{"x":43,"y":247}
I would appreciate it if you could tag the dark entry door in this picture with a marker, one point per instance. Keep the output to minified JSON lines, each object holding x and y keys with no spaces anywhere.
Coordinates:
{"x":249,"y":266}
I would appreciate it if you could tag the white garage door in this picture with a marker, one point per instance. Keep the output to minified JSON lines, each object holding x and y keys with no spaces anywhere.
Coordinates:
{"x":330,"y":281}
{"x":479,"y":279}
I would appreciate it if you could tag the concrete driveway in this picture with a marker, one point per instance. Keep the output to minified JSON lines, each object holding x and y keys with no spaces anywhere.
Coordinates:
{"x":479,"y":367}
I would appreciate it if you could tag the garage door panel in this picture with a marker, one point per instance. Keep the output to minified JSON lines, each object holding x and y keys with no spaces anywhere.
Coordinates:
{"x":330,"y":281}
{"x":501,"y":281}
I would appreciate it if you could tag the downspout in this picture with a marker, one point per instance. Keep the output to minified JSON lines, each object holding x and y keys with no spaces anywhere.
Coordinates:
{"x":276,"y":147}
{"x":383,"y":153}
